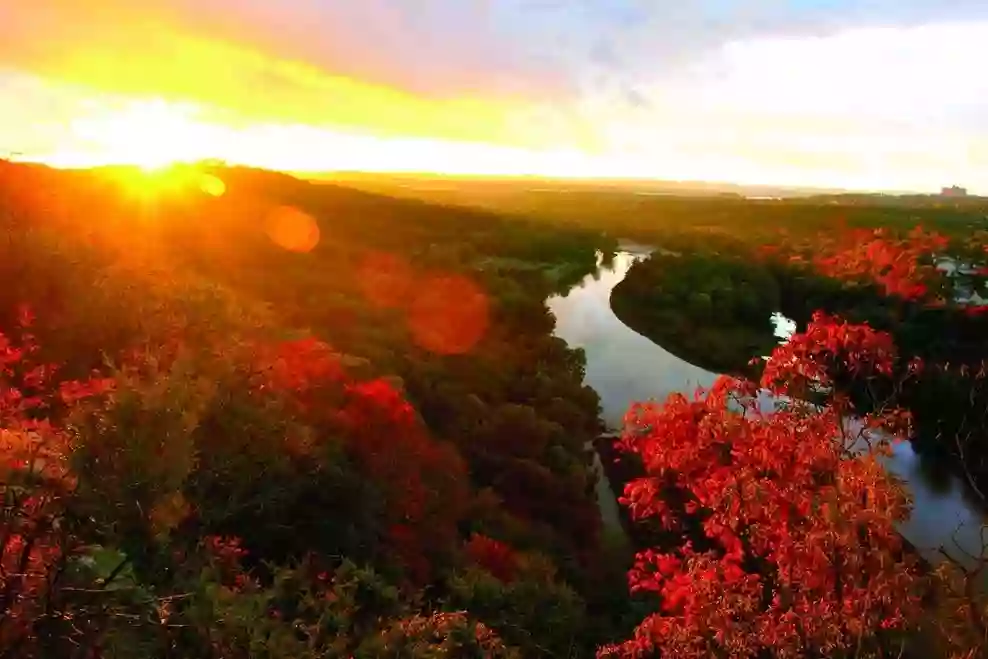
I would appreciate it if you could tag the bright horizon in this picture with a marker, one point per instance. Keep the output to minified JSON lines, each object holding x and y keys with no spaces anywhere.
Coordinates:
{"x":804,"y":94}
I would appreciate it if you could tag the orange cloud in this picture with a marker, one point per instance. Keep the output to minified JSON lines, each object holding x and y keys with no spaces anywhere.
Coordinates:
{"x":116,"y":48}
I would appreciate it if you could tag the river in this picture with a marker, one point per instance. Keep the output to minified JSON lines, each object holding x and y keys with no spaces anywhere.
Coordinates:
{"x":624,"y":366}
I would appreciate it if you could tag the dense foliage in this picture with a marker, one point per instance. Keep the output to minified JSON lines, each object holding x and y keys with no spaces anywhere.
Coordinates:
{"x":444,"y":421}
{"x":793,"y":549}
{"x":708,"y":303}
{"x":244,"y":415}
{"x":727,"y":478}
{"x":925,"y":290}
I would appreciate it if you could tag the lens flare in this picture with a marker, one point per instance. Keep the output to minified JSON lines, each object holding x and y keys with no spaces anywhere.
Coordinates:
{"x":385,"y":280}
{"x":212,"y":185}
{"x":449,"y":314}
{"x":292,"y":229}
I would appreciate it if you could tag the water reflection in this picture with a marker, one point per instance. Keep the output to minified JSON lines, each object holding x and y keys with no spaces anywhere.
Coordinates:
{"x":624,"y":366}
{"x":784,"y":327}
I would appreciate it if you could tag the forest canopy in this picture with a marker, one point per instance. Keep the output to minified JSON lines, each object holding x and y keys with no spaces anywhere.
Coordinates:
{"x":277,"y":418}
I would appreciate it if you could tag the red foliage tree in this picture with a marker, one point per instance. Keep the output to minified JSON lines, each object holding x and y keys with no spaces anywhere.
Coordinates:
{"x":797,"y":551}
{"x":34,"y":482}
{"x":423,"y":481}
{"x":494,"y":556}
{"x":899,"y":265}
{"x":906,"y":266}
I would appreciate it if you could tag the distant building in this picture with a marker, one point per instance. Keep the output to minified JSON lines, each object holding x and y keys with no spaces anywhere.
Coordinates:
{"x":953,"y":191}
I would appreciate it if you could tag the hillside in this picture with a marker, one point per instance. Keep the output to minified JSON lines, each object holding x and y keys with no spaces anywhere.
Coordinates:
{"x":247,"y":415}
{"x":443,"y":303}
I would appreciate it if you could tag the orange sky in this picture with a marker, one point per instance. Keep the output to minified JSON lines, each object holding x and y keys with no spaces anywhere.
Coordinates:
{"x":113,"y":79}
{"x":247,"y":83}
{"x":472,"y":87}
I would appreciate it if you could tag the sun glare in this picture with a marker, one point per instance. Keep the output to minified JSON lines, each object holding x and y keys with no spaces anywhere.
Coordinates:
{"x":148,"y":134}
{"x":152,"y":184}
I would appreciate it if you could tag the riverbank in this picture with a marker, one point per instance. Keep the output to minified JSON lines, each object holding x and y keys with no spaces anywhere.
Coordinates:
{"x":623,"y":366}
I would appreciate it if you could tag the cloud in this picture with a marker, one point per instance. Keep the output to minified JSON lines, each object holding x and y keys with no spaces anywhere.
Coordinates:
{"x":615,"y":41}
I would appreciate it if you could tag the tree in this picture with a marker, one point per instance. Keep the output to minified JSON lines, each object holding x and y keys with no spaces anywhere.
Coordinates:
{"x":901,"y":266}
{"x":892,"y":279}
{"x":39,"y":549}
{"x":786,"y":517}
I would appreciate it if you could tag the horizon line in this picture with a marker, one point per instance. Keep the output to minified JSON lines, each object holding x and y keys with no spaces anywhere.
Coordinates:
{"x":323,"y":174}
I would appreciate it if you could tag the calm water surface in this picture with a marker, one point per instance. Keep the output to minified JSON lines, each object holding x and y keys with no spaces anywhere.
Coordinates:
{"x":624,"y":366}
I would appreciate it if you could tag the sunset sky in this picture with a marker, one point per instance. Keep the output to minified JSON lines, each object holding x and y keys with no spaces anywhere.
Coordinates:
{"x":885,"y":94}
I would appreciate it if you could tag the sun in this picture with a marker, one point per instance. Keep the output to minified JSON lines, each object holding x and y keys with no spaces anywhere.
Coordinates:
{"x":153,"y":164}
{"x":152,"y":134}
